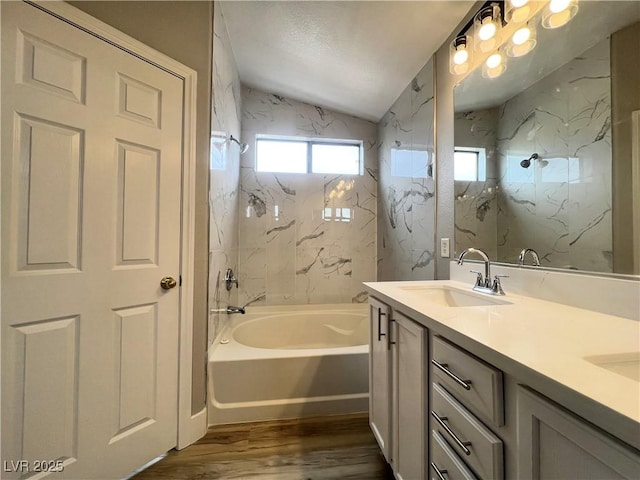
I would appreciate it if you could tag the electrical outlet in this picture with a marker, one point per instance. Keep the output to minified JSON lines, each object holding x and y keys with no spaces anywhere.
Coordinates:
{"x":444,"y":247}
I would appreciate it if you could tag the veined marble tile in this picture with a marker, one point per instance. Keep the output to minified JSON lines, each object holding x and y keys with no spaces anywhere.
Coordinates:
{"x":476,"y":217}
{"x":405,"y":205}
{"x":309,"y":224}
{"x":224,"y":178}
{"x":560,"y":205}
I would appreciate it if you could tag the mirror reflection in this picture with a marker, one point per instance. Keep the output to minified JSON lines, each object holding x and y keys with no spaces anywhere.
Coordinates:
{"x":539,"y":147}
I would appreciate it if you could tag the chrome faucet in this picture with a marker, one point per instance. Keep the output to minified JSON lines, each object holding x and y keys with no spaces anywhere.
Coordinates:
{"x":484,"y":284}
{"x":487,"y":265}
{"x":534,"y":255}
{"x":229,"y":310}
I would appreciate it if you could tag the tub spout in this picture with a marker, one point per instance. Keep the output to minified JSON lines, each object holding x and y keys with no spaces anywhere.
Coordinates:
{"x":231,"y":309}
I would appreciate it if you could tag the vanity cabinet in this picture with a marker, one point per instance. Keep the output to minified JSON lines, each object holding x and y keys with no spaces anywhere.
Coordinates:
{"x":409,"y":398}
{"x":474,"y":382}
{"x":380,"y":375}
{"x":555,"y":444}
{"x":448,"y":402}
{"x":398,"y":389}
{"x":466,"y":397}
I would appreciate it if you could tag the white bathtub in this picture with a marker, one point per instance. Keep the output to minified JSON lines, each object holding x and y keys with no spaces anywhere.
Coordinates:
{"x":288,"y":362}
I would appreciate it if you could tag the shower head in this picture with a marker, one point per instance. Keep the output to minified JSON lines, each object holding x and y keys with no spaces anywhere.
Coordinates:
{"x":526,"y":163}
{"x":243,"y":146}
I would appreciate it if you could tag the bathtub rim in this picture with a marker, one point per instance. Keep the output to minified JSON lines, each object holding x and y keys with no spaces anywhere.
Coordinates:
{"x":234,"y":350}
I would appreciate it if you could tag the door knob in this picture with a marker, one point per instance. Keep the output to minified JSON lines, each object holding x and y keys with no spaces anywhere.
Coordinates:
{"x":168,"y":283}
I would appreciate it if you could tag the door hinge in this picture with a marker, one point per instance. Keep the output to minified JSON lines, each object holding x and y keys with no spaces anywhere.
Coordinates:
{"x":180,"y":281}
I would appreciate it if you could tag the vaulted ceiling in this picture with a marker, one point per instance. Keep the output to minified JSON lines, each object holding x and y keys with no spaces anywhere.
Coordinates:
{"x":351,"y":56}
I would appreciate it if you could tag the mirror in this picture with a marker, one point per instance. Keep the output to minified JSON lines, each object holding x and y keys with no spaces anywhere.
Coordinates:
{"x":541,"y":155}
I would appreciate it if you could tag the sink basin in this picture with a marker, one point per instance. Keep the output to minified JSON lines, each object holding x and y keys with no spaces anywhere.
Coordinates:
{"x":625,"y":364}
{"x":453,"y":297}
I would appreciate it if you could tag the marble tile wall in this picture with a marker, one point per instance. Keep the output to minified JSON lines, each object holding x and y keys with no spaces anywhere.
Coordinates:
{"x":290,"y":253}
{"x":561,"y":206}
{"x":406,"y":202}
{"x":224,"y":175}
{"x":476,"y":203}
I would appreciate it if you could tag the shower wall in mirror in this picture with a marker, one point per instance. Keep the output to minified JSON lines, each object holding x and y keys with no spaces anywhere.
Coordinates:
{"x":543,"y":157}
{"x":561,"y":204}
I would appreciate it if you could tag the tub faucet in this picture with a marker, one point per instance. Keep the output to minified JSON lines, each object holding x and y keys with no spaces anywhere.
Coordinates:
{"x":534,"y":255}
{"x":484,"y":284}
{"x":231,"y":309}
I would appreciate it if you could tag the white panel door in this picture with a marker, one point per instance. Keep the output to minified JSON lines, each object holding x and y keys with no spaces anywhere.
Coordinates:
{"x":91,"y":188}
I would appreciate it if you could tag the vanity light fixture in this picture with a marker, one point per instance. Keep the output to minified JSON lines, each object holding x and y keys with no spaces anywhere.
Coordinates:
{"x":494,"y":66}
{"x":460,"y":55}
{"x":517,"y":11}
{"x":487,"y":26}
{"x":559,"y":13}
{"x":522,"y":41}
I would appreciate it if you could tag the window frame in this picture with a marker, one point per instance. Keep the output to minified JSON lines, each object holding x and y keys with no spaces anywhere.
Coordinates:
{"x":310,"y":142}
{"x":481,"y":162}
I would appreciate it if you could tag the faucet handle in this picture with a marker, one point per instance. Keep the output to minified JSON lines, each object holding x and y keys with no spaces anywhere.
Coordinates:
{"x":479,"y":278}
{"x":230,"y":279}
{"x":497,"y":286}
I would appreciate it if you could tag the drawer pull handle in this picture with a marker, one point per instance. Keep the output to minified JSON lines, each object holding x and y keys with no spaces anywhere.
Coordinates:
{"x":380,"y":314}
{"x":389,"y":342}
{"x":439,"y":473}
{"x":466,"y":384}
{"x":461,"y":444}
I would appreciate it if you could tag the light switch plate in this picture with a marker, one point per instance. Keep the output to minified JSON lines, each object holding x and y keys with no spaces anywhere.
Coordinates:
{"x":444,"y":247}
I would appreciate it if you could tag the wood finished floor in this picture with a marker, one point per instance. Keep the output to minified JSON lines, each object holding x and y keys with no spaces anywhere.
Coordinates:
{"x":318,"y":448}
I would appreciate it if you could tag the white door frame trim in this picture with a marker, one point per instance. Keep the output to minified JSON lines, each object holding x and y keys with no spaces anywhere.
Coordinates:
{"x":635,"y":186}
{"x":190,"y":427}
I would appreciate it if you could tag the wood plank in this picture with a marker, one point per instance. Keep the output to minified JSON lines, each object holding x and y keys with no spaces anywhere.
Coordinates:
{"x":333,"y":447}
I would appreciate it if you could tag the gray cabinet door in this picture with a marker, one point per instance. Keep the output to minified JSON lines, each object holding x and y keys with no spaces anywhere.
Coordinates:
{"x":555,"y":444}
{"x":409,"y":398}
{"x":380,"y":375}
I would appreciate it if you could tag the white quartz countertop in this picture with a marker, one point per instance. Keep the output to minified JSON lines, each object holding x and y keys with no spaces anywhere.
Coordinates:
{"x":550,"y":339}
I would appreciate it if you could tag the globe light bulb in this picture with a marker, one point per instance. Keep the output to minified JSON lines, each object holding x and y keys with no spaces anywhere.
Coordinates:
{"x":557,"y":6}
{"x":487,"y":31}
{"x":519,"y":3}
{"x":521,"y":36}
{"x":494,"y":60}
{"x":460,"y":56}
{"x":559,"y":13}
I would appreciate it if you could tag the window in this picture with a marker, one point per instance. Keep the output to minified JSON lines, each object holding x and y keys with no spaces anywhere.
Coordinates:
{"x":284,"y":155}
{"x":469,"y":164}
{"x":413,"y":163}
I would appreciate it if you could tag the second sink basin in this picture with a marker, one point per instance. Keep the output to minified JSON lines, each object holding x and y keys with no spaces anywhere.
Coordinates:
{"x":625,"y":364}
{"x":453,"y":297}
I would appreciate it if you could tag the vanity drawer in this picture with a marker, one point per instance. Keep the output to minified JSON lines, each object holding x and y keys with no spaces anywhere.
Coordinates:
{"x":476,"y":384}
{"x":474,"y":443}
{"x":445,"y":463}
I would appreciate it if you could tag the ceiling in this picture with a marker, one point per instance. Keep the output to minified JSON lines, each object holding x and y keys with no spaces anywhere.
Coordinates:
{"x":350,"y":56}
